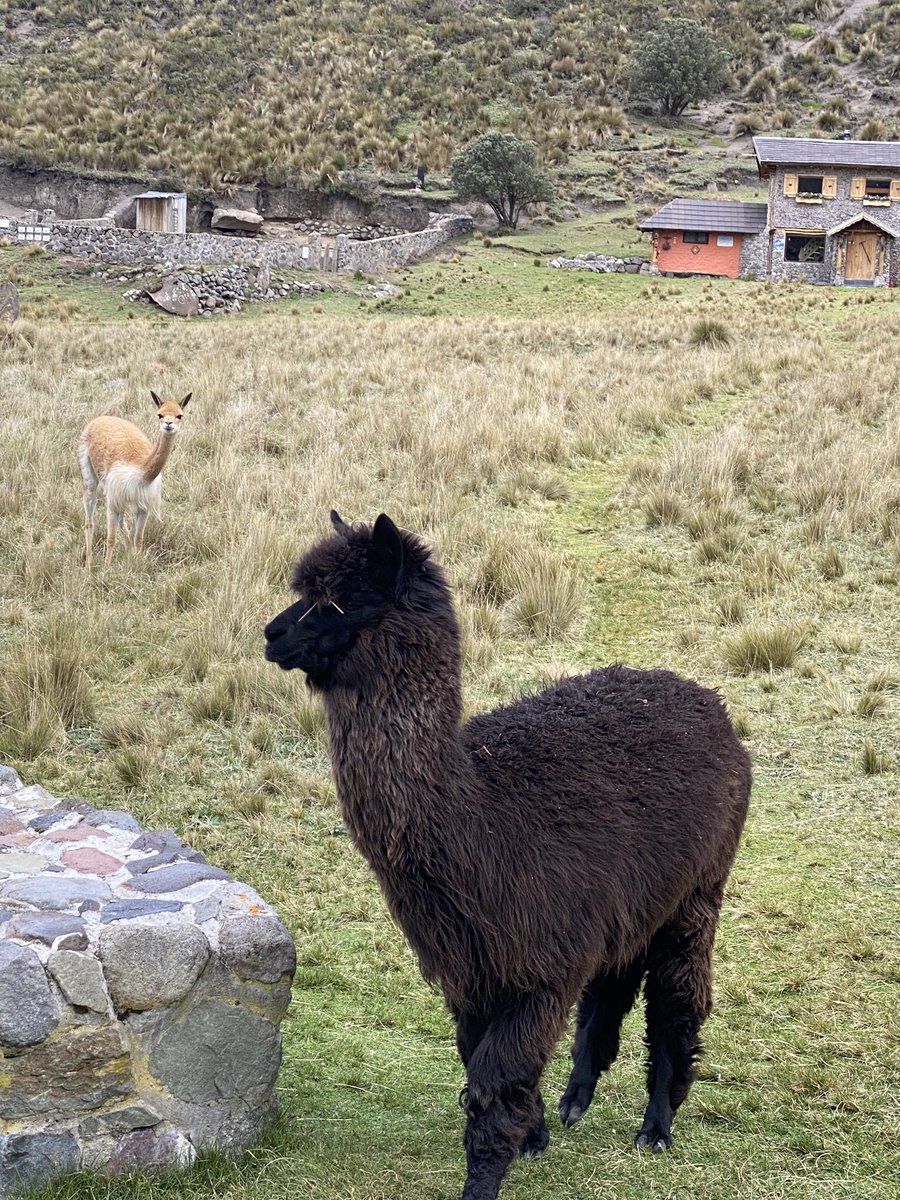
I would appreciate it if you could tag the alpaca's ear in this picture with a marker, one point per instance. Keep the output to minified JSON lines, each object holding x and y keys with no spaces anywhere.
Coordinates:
{"x":156,"y":399}
{"x":340,"y":525}
{"x":386,"y":557}
{"x":184,"y":402}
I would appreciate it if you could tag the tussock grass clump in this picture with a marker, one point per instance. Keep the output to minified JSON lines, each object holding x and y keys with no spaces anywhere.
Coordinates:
{"x":871,"y":704}
{"x":134,"y":766}
{"x":125,"y":729}
{"x":830,"y":563}
{"x":710,"y":332}
{"x":763,"y":648}
{"x":662,"y":506}
{"x":44,"y":692}
{"x":873,"y":760}
{"x":548,"y":593}
{"x":730,"y":610}
{"x":847,"y":643}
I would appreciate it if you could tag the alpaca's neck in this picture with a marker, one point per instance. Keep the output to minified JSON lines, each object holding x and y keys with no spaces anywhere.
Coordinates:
{"x":158,"y":458}
{"x":399,"y":764}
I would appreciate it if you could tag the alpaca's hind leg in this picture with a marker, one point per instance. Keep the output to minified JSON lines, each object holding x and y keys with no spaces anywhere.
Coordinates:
{"x":114,"y":522}
{"x":91,"y":483}
{"x":503,"y":1104}
{"x":679,"y":999}
{"x":606,"y":1000}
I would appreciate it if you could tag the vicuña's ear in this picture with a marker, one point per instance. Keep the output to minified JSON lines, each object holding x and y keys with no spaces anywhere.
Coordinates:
{"x":387,"y":568}
{"x":184,"y":402}
{"x":156,"y":399}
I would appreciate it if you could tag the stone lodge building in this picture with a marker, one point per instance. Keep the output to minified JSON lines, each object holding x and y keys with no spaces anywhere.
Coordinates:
{"x":832,"y":217}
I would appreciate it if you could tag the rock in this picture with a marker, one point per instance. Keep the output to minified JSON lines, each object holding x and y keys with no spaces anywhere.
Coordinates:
{"x":192,"y":1056}
{"x":120,"y":1120}
{"x":10,"y":306}
{"x":87,"y":1067}
{"x":80,"y":979}
{"x":55,"y":891}
{"x":241,"y":219}
{"x":151,"y":1148}
{"x":127,"y":910}
{"x":30,"y":1160}
{"x":113,"y":819}
{"x":257,"y":947}
{"x":28,"y":1011}
{"x":9,"y":822}
{"x":149,"y":966}
{"x":23,"y":864}
{"x":44,"y":926}
{"x":9,"y":781}
{"x":89,"y":861}
{"x":33,"y":798}
{"x":176,"y":298}
{"x":47,"y":820}
{"x":175,"y":877}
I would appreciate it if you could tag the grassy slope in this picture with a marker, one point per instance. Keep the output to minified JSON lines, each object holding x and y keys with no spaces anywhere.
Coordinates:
{"x":293,"y":91}
{"x":551,"y":435}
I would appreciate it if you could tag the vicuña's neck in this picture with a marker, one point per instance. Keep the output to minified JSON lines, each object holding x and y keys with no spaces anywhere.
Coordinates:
{"x":159,"y":456}
{"x":398,"y":760}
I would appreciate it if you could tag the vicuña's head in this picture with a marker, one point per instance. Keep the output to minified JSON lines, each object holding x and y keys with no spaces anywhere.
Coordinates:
{"x":366,"y":594}
{"x":170,"y":413}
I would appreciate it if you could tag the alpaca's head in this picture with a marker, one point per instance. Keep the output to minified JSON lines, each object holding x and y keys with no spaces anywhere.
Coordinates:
{"x":362,"y":591}
{"x":170,"y":413}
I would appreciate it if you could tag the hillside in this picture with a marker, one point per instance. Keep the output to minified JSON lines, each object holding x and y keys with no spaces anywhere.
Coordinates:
{"x":210,"y":92}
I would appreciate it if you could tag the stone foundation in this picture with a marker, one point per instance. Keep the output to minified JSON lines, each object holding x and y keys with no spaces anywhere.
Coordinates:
{"x":604,"y":263}
{"x":141,"y":991}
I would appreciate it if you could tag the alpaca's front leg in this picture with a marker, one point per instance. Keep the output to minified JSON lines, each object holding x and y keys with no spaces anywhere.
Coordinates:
{"x":504,"y":1106}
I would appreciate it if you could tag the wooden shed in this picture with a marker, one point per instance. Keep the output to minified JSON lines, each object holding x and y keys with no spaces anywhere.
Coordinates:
{"x":161,"y":212}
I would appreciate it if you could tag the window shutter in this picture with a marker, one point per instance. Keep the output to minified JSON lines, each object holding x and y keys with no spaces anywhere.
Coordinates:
{"x":858,"y":187}
{"x":791,"y":185}
{"x":829,"y":187}
{"x":895,"y":189}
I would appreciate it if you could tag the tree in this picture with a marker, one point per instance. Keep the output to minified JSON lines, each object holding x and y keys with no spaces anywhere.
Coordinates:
{"x":501,"y":170}
{"x":678,"y":64}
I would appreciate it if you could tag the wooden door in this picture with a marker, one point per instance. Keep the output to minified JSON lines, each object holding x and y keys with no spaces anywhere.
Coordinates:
{"x":860,"y":256}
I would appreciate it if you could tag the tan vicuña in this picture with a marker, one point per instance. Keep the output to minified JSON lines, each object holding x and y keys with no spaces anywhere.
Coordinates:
{"x":116,"y":458}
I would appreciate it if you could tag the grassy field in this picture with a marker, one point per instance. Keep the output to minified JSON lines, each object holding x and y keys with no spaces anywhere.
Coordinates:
{"x":702,"y":476}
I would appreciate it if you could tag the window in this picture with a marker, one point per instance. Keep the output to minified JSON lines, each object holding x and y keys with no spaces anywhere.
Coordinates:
{"x":696,"y":235}
{"x":809,"y":185}
{"x":805,"y":248}
{"x":878,"y":189}
{"x":724,"y":239}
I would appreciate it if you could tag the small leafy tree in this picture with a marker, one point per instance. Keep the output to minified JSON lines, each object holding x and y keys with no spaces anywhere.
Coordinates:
{"x":501,"y":170}
{"x":678,"y":64}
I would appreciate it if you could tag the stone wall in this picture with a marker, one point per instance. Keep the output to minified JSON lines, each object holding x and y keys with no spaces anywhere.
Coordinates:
{"x":141,"y":991}
{"x":385,"y":254}
{"x":130,"y":247}
{"x":755,"y":255}
{"x":604,"y":263}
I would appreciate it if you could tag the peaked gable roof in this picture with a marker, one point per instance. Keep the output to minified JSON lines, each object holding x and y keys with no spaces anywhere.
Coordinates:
{"x":863,"y":218}
{"x":725,"y":216}
{"x":772,"y":152}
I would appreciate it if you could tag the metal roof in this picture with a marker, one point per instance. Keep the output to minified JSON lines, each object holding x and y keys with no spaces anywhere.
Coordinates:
{"x":824,"y":152}
{"x":726,"y":216}
{"x":160,"y":195}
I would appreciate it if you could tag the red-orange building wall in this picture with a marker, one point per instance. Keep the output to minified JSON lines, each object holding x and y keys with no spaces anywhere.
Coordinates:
{"x":706,"y":259}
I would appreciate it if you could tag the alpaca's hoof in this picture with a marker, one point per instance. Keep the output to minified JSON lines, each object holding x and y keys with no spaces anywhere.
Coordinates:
{"x":536,"y":1143}
{"x":654,"y":1139}
{"x":570,"y":1112}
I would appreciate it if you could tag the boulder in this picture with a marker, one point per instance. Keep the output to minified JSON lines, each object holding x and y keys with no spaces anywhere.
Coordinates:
{"x":230,"y":220}
{"x":176,"y":297}
{"x":9,"y":302}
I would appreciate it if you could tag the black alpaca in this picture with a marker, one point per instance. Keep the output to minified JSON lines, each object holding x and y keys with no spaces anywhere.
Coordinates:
{"x":561,"y":848}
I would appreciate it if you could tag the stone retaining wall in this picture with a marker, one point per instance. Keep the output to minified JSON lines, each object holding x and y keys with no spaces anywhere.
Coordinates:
{"x":385,"y":254}
{"x":604,"y":263}
{"x":141,"y":991}
{"x":130,"y":246}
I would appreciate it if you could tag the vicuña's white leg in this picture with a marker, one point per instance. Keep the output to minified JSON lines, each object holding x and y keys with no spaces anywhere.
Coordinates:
{"x":89,"y":477}
{"x":113,"y":523}
{"x":140,"y":521}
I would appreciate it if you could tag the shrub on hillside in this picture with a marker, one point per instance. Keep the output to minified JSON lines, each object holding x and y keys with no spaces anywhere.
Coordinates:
{"x":678,"y":64}
{"x":501,"y":170}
